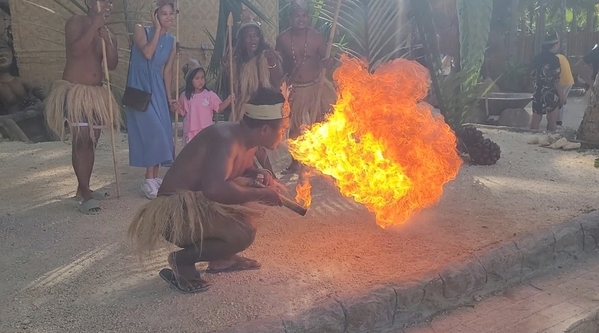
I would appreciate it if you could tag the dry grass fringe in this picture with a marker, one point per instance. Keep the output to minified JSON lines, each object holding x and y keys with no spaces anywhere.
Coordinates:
{"x":184,"y":215}
{"x":254,"y":75}
{"x":80,"y":103}
{"x":303,"y":100}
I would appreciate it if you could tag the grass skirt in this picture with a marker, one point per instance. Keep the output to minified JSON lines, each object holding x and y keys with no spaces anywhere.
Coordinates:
{"x":185,"y":216}
{"x":79,"y":103}
{"x":303,"y":103}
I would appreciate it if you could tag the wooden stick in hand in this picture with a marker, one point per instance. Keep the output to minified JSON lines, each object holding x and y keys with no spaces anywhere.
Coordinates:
{"x":231,"y":75}
{"x":110,"y":105}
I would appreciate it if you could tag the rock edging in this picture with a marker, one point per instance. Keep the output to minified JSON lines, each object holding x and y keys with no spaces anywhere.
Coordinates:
{"x":398,"y":305}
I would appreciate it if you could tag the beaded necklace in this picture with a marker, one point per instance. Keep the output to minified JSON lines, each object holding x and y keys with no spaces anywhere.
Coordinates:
{"x":305,"y":52}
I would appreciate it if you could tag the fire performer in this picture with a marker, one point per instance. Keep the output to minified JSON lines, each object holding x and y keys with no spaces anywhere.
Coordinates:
{"x":303,"y":50}
{"x":204,"y":203}
{"x":80,"y":99}
{"x":255,"y":65}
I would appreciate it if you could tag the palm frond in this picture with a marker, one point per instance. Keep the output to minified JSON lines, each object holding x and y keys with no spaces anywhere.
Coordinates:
{"x":371,"y":28}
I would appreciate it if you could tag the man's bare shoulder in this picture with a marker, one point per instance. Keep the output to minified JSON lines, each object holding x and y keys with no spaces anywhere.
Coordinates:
{"x":221,"y":133}
{"x":315,"y":34}
{"x":76,"y":21}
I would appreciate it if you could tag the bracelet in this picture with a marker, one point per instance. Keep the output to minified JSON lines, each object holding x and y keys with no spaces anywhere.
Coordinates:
{"x":273,"y":66}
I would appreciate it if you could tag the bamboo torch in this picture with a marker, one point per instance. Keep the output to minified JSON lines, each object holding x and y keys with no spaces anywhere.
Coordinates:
{"x":327,"y":55}
{"x":177,"y":70}
{"x":110,"y":105}
{"x":231,"y":75}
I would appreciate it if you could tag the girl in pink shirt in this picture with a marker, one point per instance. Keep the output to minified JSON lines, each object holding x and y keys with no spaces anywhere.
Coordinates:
{"x":197,"y":104}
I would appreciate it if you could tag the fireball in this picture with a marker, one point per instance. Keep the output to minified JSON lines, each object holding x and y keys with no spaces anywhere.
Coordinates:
{"x":382,"y":145}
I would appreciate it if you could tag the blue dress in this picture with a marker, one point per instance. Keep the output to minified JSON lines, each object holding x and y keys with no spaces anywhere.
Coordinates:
{"x":150,"y":133}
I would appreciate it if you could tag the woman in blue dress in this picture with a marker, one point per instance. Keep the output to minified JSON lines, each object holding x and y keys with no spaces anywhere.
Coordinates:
{"x":150,"y":133}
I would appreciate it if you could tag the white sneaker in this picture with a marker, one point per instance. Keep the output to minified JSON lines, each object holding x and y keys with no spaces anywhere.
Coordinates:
{"x":150,"y":188}
{"x":158,"y":181}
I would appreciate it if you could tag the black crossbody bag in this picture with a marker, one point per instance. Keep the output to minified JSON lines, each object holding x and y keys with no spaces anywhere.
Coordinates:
{"x":134,"y":98}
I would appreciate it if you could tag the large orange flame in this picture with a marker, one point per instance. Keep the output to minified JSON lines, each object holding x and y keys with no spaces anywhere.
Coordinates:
{"x":382,"y":145}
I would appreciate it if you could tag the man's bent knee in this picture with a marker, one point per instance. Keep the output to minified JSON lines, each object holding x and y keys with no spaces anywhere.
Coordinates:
{"x":241,"y":236}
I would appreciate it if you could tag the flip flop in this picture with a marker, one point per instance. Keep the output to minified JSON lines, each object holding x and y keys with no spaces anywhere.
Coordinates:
{"x":169,"y":276}
{"x":98,"y":195}
{"x":241,"y":264}
{"x":87,"y":206}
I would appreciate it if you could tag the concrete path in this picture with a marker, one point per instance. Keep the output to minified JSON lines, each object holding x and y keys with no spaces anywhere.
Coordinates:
{"x":566,"y":300}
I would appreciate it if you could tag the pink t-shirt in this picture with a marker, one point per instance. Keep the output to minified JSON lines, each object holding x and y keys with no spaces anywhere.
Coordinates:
{"x":198,"y":112}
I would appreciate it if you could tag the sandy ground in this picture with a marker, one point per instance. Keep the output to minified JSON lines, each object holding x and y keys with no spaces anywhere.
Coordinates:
{"x":66,"y":272}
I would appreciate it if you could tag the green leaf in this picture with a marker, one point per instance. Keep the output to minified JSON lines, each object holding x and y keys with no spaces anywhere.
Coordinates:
{"x":474,"y":19}
{"x":370,"y":28}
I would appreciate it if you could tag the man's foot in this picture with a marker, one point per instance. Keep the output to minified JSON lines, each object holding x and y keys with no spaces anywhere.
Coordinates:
{"x":90,"y":207}
{"x":294,"y":167}
{"x":150,"y":188}
{"x":236,"y":263}
{"x":98,"y":195}
{"x":170,"y":278}
{"x":186,"y":277}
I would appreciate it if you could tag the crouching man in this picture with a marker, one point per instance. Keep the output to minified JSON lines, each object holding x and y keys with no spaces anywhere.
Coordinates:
{"x":209,"y":195}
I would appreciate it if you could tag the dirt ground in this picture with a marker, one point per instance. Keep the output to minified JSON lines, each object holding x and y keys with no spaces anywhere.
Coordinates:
{"x":66,"y":272}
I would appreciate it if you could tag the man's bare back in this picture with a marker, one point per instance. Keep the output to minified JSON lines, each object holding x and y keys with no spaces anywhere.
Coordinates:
{"x":83,"y":39}
{"x":309,"y":47}
{"x":194,"y":165}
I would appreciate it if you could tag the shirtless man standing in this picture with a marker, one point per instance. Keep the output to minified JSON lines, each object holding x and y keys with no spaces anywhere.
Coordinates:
{"x":80,"y":98}
{"x":303,"y":51}
{"x":203,"y":205}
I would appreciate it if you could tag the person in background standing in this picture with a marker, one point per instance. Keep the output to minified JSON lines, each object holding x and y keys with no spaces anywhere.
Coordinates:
{"x":150,"y":132}
{"x":548,"y":97}
{"x":566,"y":80}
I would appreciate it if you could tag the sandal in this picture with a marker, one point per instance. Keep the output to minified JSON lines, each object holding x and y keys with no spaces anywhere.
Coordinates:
{"x":169,"y":276}
{"x":90,"y":207}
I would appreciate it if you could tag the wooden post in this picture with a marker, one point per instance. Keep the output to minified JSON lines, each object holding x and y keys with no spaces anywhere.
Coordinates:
{"x":177,"y":70}
{"x":110,"y":110}
{"x":323,"y":71}
{"x":231,"y":74}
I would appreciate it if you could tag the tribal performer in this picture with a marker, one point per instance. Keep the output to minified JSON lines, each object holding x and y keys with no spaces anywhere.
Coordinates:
{"x":255,"y":65}
{"x":303,"y":51}
{"x":208,"y":198}
{"x":80,"y":98}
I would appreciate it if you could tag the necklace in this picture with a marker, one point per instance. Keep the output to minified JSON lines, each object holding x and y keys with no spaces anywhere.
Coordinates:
{"x":297,"y":67}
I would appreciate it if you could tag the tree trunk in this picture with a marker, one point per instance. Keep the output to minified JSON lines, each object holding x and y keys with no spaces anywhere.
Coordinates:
{"x":590,"y":19}
{"x":512,"y":41}
{"x":589,"y":127}
{"x":574,"y":20}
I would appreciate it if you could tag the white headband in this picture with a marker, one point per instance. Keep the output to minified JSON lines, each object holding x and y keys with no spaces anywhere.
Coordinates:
{"x":265,"y":112}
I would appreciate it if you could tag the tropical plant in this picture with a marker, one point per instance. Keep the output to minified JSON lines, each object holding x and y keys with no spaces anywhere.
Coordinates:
{"x":458,"y":93}
{"x":459,"y":98}
{"x":474,"y":20}
{"x":370,"y":28}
